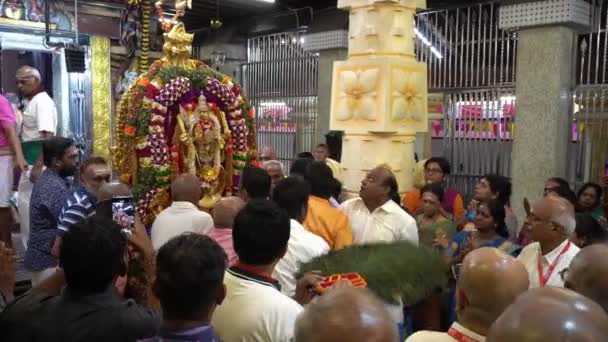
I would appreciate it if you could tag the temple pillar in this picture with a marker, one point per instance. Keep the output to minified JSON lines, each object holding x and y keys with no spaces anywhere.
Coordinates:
{"x":327,"y":58}
{"x":379,"y":94}
{"x":545,"y":62}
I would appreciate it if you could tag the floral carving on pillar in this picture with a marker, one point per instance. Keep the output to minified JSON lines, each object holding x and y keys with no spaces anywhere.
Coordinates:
{"x":357,"y":99}
{"x":408,"y":100}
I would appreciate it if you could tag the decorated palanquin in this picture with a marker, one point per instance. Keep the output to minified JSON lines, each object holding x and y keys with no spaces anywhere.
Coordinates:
{"x":182,"y":116}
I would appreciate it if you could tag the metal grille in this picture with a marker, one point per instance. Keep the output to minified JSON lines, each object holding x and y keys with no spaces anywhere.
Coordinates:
{"x":478,"y":135}
{"x":589,"y":131}
{"x":281,"y":80}
{"x":464,"y":47}
{"x":472,"y":63}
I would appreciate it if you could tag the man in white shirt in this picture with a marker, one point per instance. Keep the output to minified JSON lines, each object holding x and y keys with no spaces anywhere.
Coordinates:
{"x":551,"y":223}
{"x":39,"y":122}
{"x":254,"y":308}
{"x":291,"y":194}
{"x":183,"y":216}
{"x":376,"y":216}
{"x":489,"y":281}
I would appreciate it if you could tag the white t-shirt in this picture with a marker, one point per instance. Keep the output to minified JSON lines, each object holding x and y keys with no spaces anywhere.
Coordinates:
{"x":529,"y":257}
{"x":179,"y":218}
{"x":386,"y":224}
{"x":254,"y":310}
{"x":40,"y":114}
{"x":302,"y":247}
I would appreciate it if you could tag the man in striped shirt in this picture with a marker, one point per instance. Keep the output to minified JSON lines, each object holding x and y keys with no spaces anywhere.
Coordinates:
{"x":94,"y":173}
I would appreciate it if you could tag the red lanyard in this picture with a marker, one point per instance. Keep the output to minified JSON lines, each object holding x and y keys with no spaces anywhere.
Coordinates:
{"x":460,"y":337}
{"x":544,"y":278}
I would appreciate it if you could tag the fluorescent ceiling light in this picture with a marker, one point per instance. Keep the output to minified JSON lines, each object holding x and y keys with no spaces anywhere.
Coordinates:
{"x":268,"y":1}
{"x":428,"y":43}
{"x":273,"y":104}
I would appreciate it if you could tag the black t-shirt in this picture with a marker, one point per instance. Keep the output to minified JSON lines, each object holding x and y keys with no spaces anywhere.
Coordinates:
{"x":99,"y":317}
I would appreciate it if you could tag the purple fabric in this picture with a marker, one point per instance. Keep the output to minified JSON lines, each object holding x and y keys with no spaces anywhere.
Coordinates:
{"x":448,"y":200}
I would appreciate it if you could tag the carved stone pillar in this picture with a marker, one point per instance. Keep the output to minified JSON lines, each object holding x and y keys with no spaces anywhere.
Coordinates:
{"x":379,"y":94}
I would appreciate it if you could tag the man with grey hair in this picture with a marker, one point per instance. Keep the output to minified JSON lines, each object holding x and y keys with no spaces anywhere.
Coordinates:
{"x":275,"y":170}
{"x":223,"y":214}
{"x":551,"y":223}
{"x":346,"y":314}
{"x":39,"y":122}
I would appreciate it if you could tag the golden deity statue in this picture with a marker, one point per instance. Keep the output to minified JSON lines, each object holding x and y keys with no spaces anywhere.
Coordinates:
{"x":181,"y":116}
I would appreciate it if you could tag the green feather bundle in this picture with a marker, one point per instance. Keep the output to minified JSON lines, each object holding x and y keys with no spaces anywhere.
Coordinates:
{"x":390,"y":269}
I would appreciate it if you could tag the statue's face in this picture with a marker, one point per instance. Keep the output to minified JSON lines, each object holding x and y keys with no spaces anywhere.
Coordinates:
{"x":131,"y":76}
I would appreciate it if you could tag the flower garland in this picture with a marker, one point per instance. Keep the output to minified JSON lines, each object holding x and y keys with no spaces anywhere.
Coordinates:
{"x":176,"y":119}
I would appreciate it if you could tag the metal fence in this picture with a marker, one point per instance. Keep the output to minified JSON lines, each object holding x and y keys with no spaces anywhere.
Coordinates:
{"x":281,"y":80}
{"x":478,"y":134}
{"x":589,"y":133}
{"x":472,"y":63}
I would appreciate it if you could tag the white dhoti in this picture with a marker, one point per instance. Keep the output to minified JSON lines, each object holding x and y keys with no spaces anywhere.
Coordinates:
{"x":23,"y":205}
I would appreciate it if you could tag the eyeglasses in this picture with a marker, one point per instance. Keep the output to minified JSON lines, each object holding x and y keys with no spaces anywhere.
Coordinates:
{"x":433,"y":171}
{"x":548,"y":190}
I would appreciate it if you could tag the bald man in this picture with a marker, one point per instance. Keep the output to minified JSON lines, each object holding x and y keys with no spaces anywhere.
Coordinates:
{"x":183,"y":216}
{"x":489,"y":281}
{"x":346,"y":314}
{"x":551,"y":314}
{"x":376,"y":216}
{"x":223,"y":214}
{"x":588,"y":274}
{"x":550,"y":224}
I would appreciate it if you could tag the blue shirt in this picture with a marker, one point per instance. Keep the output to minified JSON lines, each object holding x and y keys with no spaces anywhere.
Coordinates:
{"x":78,"y":207}
{"x":49,"y":194}
{"x":199,"y":334}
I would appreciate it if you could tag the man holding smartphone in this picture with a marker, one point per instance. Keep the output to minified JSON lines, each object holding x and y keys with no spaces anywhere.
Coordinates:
{"x":94,"y":173}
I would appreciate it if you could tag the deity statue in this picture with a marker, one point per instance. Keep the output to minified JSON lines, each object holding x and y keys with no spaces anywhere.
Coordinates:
{"x":181,"y":116}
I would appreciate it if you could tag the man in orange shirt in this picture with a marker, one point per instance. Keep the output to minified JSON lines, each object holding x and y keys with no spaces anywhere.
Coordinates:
{"x":323,"y":219}
{"x":436,"y":170}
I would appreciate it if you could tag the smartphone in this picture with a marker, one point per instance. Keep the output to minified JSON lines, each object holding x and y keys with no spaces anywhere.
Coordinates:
{"x":123,"y":213}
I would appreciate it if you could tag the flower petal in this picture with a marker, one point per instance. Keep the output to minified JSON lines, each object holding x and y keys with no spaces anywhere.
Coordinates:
{"x":344,"y":111}
{"x":348,"y":81}
{"x":366,"y":108}
{"x":368,"y":80}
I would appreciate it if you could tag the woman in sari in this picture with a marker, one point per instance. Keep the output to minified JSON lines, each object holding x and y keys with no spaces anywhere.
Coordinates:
{"x":492,"y":187}
{"x":589,"y":200}
{"x":435,"y":230}
{"x":436,"y":171}
{"x":490,"y":231}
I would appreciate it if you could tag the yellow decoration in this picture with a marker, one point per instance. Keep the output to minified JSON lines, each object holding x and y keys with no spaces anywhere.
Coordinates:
{"x":408,"y":103}
{"x":379,"y":94}
{"x":102,"y":95}
{"x":357,"y":95}
{"x":178,"y":47}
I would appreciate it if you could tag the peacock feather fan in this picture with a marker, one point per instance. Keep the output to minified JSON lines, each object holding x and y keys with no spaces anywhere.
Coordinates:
{"x":390,"y":269}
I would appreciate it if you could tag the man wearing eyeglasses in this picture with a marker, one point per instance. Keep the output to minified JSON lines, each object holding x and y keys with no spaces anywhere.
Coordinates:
{"x":550,"y":224}
{"x":94,"y":173}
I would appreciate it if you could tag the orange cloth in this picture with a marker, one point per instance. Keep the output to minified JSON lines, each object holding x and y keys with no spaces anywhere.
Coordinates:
{"x":412,"y":202}
{"x":329,"y":223}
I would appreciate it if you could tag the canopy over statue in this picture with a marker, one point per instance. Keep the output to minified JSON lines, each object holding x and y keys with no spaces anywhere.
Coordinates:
{"x":181,"y":116}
